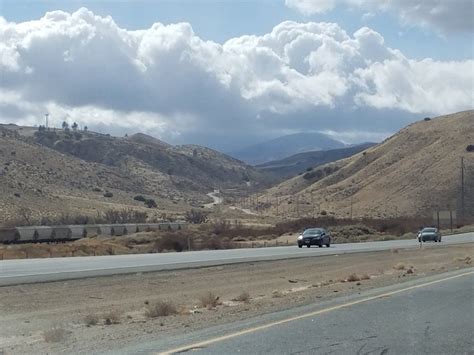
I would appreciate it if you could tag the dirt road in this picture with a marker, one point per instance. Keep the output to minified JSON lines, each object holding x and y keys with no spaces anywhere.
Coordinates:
{"x":60,"y":316}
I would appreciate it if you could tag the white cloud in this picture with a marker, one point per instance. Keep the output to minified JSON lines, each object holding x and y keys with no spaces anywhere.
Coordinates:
{"x":442,"y":15}
{"x":311,"y":7}
{"x":168,"y":81}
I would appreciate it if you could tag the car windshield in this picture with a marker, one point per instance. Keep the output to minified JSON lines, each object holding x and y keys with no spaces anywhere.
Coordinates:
{"x":429,"y":230}
{"x":314,"y":231}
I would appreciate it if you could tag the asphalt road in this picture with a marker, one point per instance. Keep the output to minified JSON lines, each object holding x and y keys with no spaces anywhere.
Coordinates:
{"x":431,"y":315}
{"x":54,"y":269}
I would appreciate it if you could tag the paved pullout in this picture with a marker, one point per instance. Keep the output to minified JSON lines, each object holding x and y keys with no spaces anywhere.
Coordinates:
{"x":432,"y":315}
{"x":55,"y":269}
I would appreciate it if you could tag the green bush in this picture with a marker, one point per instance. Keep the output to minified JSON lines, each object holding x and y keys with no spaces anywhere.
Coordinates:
{"x":150,"y":203}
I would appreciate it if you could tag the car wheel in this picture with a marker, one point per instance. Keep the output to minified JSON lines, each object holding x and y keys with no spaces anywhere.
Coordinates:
{"x":328,"y":245}
{"x":320,"y":245}
{"x":309,"y":246}
{"x":300,"y":246}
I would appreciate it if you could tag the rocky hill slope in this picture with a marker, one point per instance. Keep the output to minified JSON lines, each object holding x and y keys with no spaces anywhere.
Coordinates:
{"x":414,"y":172}
{"x":57,"y":171}
{"x":303,"y":162}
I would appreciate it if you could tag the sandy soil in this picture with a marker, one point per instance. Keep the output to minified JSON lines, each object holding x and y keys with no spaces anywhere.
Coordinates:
{"x":53,"y":317}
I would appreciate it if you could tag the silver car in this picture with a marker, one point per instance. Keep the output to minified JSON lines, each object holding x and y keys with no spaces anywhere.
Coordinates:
{"x":432,"y":234}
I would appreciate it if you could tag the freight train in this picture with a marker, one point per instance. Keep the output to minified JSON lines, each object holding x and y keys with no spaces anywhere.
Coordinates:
{"x":48,"y":234}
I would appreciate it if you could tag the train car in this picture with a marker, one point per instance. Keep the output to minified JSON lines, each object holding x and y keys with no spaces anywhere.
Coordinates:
{"x":176,"y":226}
{"x":77,"y":232}
{"x":143,"y":227}
{"x":43,"y":234}
{"x":26,"y":234}
{"x":91,"y":230}
{"x":131,"y":228}
{"x":105,"y":229}
{"x":154,"y":226}
{"x":8,"y":235}
{"x":118,"y":230}
{"x":61,"y":233}
{"x":164,"y":226}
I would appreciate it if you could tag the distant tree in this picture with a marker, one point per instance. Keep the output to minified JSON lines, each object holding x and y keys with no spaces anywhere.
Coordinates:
{"x":126,"y":135}
{"x":150,"y":203}
{"x":196,"y":217}
{"x":85,"y":128}
{"x":74,"y":126}
{"x":65,"y":125}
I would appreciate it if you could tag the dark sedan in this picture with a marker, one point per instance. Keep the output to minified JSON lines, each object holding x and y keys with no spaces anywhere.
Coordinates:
{"x":314,"y":236}
{"x":432,"y":234}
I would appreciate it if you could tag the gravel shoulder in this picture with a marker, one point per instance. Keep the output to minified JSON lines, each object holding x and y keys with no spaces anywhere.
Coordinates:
{"x":57,"y":317}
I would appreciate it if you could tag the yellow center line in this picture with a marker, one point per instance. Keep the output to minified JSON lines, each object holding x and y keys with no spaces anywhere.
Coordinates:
{"x":307,"y":315}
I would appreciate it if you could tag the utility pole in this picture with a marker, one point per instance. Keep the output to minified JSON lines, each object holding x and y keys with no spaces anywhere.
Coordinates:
{"x":46,"y":116}
{"x":462,"y":190}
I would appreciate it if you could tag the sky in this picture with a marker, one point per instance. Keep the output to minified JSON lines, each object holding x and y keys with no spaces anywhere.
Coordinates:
{"x":229,"y":73}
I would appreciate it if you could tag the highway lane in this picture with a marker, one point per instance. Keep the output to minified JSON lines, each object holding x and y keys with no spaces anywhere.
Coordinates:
{"x":431,"y":315}
{"x":55,"y":269}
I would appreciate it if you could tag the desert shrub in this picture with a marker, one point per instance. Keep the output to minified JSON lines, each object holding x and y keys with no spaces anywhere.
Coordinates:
{"x":108,"y":194}
{"x":124,"y":216}
{"x":470,"y":148}
{"x":55,"y":334}
{"x":426,"y":119}
{"x":353,"y":278}
{"x":161,"y":309}
{"x":323,"y":213}
{"x":173,"y":241}
{"x":316,"y":174}
{"x":243,"y":297}
{"x":111,"y":317}
{"x":220,"y":227}
{"x":196,"y":217}
{"x":309,"y":169}
{"x":96,"y":189}
{"x":139,"y":198}
{"x":209,"y":300}
{"x":150,"y":203}
{"x":91,"y":319}
{"x":399,"y":266}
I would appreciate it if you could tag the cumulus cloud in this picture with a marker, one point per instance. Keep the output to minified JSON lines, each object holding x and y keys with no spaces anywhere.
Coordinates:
{"x":168,"y":81}
{"x":446,"y":16}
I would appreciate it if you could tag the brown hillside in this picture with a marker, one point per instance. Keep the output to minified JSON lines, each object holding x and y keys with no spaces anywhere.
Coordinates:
{"x":54,"y":172}
{"x":413,"y":172}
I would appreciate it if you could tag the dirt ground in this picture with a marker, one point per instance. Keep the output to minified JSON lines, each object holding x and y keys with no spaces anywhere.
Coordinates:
{"x":59,"y":317}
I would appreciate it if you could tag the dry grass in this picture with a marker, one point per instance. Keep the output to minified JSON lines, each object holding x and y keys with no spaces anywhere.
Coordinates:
{"x":112,"y":317}
{"x":365,"y":277}
{"x":353,"y":278}
{"x":55,"y":334}
{"x":209,"y":300}
{"x":91,"y":319}
{"x":277,"y":294}
{"x":161,"y":309}
{"x":467,"y":260}
{"x":243,"y":297}
{"x":399,"y":266}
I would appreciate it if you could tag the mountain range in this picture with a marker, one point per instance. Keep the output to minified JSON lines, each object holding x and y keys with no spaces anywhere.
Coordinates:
{"x":285,"y":146}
